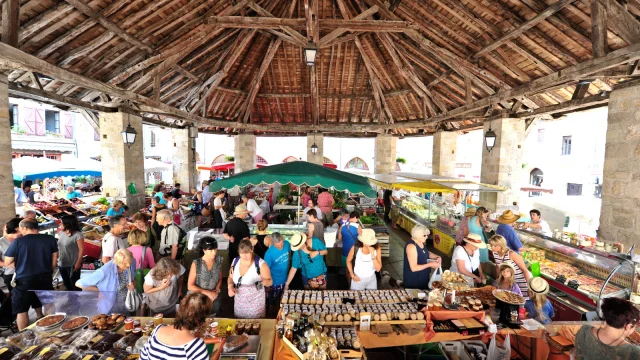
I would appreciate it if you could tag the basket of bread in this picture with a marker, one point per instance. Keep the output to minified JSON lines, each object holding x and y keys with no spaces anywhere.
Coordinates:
{"x":454,"y":281}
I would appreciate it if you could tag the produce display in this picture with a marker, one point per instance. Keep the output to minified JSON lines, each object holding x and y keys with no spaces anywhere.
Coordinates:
{"x":371,"y":220}
{"x":419,"y":208}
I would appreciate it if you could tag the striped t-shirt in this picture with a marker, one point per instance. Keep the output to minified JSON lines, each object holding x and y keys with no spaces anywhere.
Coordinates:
{"x":155,"y":350}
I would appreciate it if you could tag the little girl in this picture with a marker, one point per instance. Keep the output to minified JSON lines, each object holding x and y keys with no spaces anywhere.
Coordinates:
{"x":539,"y":307}
{"x":506,"y":279}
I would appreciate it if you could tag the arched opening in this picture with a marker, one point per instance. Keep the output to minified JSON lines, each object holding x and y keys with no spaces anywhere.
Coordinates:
{"x":327,"y":160}
{"x":220,"y":159}
{"x":357,"y":163}
{"x":261,"y":161}
{"x":289,"y":159}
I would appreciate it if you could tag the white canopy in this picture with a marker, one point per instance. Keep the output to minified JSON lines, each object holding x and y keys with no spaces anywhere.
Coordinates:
{"x":152,"y":165}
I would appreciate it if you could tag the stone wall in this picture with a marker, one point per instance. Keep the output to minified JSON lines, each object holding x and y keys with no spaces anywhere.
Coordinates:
{"x":245,"y":152}
{"x":7,"y":202}
{"x":122,"y":165}
{"x":385,"y":161}
{"x":444,"y":153}
{"x":503,"y":165}
{"x":317,"y":158}
{"x":184,"y":166}
{"x":620,"y":215}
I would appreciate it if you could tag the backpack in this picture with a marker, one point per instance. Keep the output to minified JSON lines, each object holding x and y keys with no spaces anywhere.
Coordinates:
{"x":256,"y":262}
{"x":183,"y":241}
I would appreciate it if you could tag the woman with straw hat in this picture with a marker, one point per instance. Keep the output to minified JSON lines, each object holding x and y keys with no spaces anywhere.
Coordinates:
{"x":307,"y":255}
{"x":463,"y":227}
{"x":364,"y":260}
{"x":502,"y":254}
{"x":505,"y":229}
{"x":466,"y":259}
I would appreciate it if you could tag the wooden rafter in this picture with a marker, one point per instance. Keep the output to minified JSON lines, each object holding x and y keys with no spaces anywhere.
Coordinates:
{"x":246,"y":22}
{"x":255,"y":84}
{"x":10,"y":21}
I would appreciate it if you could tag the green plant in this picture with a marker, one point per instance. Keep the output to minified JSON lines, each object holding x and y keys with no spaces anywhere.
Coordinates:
{"x":401,"y":160}
{"x":285,"y":190}
{"x":294,"y":193}
{"x":229,"y":158}
{"x":18,"y":130}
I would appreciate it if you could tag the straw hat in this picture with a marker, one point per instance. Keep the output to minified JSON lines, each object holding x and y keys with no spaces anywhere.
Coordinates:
{"x":35,"y":187}
{"x":470,"y":212}
{"x":368,"y":237}
{"x":297,"y":240}
{"x":507,"y":264}
{"x":508,"y":217}
{"x":242,"y":208}
{"x":538,"y":285}
{"x":475,"y":240}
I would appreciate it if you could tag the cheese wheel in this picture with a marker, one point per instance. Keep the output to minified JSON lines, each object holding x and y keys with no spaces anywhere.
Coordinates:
{"x":413,"y":316}
{"x":402,"y":316}
{"x":420,"y":316}
{"x":347,"y":317}
{"x":340,"y":317}
{"x":376,"y":317}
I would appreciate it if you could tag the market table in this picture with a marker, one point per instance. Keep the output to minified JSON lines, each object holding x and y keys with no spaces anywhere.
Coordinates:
{"x":278,"y":207}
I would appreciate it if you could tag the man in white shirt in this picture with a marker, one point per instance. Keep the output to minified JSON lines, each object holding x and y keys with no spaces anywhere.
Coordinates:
{"x":112,"y":242}
{"x":254,"y":209}
{"x":537,"y":224}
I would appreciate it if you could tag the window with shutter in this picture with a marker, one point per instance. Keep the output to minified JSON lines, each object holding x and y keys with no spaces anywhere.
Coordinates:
{"x":29,"y":120}
{"x":96,"y":136}
{"x":40,"y":117}
{"x":66,"y":118}
{"x":52,"y":121}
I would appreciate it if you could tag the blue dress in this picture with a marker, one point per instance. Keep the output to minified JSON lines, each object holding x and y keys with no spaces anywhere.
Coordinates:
{"x":475,"y":229}
{"x":416,"y":279}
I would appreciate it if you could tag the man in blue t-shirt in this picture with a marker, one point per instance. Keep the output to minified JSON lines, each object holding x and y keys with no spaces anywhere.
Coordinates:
{"x":505,"y":229}
{"x":35,"y":257}
{"x":348,"y":234}
{"x":277,"y":258}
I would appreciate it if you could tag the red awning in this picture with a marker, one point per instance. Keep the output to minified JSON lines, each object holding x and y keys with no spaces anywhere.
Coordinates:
{"x":330,"y":166}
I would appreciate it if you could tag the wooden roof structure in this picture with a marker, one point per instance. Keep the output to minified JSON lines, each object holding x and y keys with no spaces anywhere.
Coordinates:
{"x":405,"y":67}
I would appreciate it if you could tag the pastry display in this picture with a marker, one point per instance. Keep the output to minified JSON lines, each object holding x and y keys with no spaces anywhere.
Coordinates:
{"x":24,"y":339}
{"x":106,"y":322}
{"x":235,"y":342}
{"x":315,"y":297}
{"x":50,"y":321}
{"x":7,"y":351}
{"x":106,"y":343}
{"x":508,"y":297}
{"x":454,"y":281}
{"x":75,"y":323}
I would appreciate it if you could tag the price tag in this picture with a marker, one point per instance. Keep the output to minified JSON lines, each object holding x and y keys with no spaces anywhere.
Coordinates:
{"x":44,"y":351}
{"x":3,"y":350}
{"x":97,"y":338}
{"x":29,"y":349}
{"x":87,"y":357}
{"x":65,"y":355}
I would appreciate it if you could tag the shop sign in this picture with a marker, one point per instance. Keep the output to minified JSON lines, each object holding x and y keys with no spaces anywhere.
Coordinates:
{"x":463,"y":165}
{"x":365,"y":201}
{"x":443,"y":242}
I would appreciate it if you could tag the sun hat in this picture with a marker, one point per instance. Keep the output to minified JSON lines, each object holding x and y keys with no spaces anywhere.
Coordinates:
{"x":297,"y":240}
{"x":508,"y":217}
{"x":538,"y":285}
{"x":368,"y":237}
{"x":35,"y":187}
{"x":242,"y":208}
{"x":507,"y":264}
{"x":475,"y":240}
{"x":470,"y":212}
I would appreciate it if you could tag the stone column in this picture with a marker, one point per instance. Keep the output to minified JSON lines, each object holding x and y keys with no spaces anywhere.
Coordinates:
{"x":444,"y":153}
{"x":7,"y":202}
{"x":385,"y":154}
{"x":317,"y":158}
{"x":245,"y":152}
{"x":122,"y":165}
{"x":184,"y":165}
{"x":503,"y":165}
{"x":620,"y":215}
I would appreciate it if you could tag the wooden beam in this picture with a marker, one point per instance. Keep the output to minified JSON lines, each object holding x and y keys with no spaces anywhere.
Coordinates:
{"x":623,"y":23}
{"x":571,"y":105}
{"x":337,"y":32}
{"x":108,"y":24}
{"x":301,"y":23}
{"x":42,"y":20}
{"x":599,"y":25}
{"x":35,"y":80}
{"x":10,"y":21}
{"x":296,"y":36}
{"x":315,"y":101}
{"x":581,"y":89}
{"x":468,"y":89}
{"x":48,"y":97}
{"x":524,"y":27}
{"x":255,"y":83}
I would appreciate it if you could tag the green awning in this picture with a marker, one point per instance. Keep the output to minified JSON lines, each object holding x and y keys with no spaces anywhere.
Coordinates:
{"x":299,"y":173}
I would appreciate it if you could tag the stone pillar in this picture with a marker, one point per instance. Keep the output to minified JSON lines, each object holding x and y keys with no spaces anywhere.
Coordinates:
{"x":184,"y":165}
{"x":503,"y":165}
{"x":122,"y":165}
{"x":385,"y":154}
{"x":317,"y":158}
{"x":620,"y":215}
{"x":7,"y":202}
{"x":444,"y":153}
{"x":245,"y":152}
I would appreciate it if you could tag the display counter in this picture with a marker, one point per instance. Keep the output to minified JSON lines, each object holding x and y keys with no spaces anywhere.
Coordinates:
{"x":580,"y":276}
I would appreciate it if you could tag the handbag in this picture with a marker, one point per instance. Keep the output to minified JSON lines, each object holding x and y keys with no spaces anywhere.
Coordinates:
{"x":141,"y":272}
{"x":133,"y":300}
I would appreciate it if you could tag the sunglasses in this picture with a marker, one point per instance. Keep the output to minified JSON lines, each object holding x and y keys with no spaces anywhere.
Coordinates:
{"x":310,"y":259}
{"x":237,"y":285}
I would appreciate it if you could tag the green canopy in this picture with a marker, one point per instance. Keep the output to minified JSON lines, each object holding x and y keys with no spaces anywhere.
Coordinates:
{"x":299,"y":173}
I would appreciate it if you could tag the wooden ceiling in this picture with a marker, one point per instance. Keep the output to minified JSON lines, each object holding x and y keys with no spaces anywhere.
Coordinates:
{"x":407,"y":67}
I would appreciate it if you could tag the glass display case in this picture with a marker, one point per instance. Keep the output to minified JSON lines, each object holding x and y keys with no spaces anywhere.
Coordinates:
{"x":580,"y":276}
{"x":435,"y":213}
{"x":447,"y":219}
{"x":417,"y":209}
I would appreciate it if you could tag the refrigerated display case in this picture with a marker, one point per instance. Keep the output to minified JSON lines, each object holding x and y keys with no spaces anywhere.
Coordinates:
{"x":417,"y":210}
{"x":580,"y":276}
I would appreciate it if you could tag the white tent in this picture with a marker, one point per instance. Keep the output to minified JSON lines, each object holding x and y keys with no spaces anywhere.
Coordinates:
{"x":151,"y":165}
{"x":80,"y":164}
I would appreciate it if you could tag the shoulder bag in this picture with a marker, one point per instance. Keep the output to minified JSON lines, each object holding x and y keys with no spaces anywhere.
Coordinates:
{"x":133,"y":301}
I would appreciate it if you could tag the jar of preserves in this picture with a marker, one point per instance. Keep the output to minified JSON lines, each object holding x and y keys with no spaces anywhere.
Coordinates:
{"x":128,"y":325}
{"x":158,"y":319}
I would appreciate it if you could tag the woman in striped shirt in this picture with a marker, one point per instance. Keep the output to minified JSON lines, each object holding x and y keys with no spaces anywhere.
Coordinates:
{"x":502,"y":254}
{"x":177,"y":341}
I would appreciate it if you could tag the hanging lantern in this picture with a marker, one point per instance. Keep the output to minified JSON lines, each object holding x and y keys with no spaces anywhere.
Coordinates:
{"x":314,"y":148}
{"x":490,"y":139}
{"x":129,"y":135}
{"x":310,"y":52}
